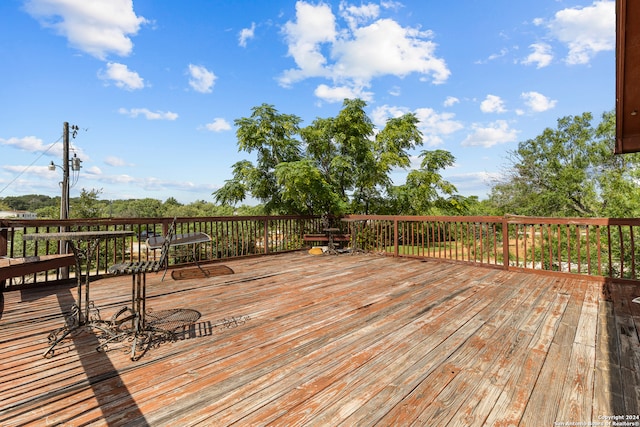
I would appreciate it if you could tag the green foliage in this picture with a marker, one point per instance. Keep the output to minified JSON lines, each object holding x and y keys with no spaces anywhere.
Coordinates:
{"x":137,"y":208}
{"x":87,"y":205}
{"x":273,"y":136}
{"x":426,"y":192}
{"x":29,"y":202}
{"x":52,"y":211}
{"x":571,"y":171}
{"x":304,"y":188}
{"x":344,"y":167}
{"x":367,"y":239}
{"x":425,"y":186}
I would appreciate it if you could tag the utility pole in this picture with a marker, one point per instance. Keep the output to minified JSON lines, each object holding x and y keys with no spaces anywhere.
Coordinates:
{"x":64,"y":201}
{"x":67,"y":163}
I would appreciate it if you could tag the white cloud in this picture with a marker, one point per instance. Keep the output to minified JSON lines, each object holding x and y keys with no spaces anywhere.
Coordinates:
{"x":386,"y":48}
{"x":27,"y":143}
{"x":585,"y":31}
{"x":474,"y":177}
{"x":148,"y":114}
{"x":218,"y":125}
{"x":503,"y":52}
{"x":314,"y":26}
{"x":201,"y":79}
{"x":433,"y":125}
{"x":95,"y":171}
{"x":358,"y":15}
{"x":119,"y":179}
{"x":36,"y":145}
{"x":451,"y":101}
{"x":395,"y":91}
{"x":380,"y":115}
{"x":492,"y":104}
{"x":246,"y":34}
{"x":33,"y":170}
{"x":122,"y":76}
{"x":354,"y":55}
{"x":473,"y":181}
{"x":541,"y":55}
{"x":497,"y":132}
{"x":340,"y":93}
{"x":97,"y":27}
{"x":537,"y":102}
{"x":115,"y":161}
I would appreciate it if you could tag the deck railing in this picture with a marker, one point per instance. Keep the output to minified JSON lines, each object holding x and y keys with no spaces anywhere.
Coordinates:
{"x":231,"y":237}
{"x":602,"y":248}
{"x":597,"y":247}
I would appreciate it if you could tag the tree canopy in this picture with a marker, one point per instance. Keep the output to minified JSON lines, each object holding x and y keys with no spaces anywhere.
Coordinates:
{"x":571,"y":171}
{"x":335,"y":165}
{"x":343,"y":164}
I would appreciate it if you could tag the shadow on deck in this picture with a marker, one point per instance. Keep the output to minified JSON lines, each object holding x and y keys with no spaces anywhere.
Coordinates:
{"x":295,"y":339}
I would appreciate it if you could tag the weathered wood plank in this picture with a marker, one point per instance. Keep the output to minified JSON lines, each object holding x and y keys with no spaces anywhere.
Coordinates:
{"x":607,"y":377}
{"x":544,"y":401}
{"x":502,"y":352}
{"x":406,"y":396}
{"x":514,"y":397}
{"x":341,"y":340}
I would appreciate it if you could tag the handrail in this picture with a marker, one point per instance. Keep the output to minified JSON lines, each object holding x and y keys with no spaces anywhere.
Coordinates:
{"x":598,"y":248}
{"x":231,"y":236}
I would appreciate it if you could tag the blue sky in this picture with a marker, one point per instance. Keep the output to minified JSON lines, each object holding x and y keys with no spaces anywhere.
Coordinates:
{"x":155,"y":86}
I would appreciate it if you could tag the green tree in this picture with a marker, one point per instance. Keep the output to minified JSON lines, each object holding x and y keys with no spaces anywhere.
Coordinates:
{"x":617,"y":176}
{"x":273,"y":137}
{"x":345,"y":165}
{"x":426,"y":192}
{"x":137,"y":208}
{"x":305,"y":189}
{"x":28,"y":202}
{"x":87,"y":205}
{"x":570,"y":171}
{"x":48,"y":212}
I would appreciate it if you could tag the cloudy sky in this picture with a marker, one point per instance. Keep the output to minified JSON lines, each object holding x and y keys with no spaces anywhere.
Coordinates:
{"x":154,"y":86}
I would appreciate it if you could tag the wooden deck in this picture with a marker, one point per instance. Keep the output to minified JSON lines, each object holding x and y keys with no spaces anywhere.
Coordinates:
{"x":297,"y":339}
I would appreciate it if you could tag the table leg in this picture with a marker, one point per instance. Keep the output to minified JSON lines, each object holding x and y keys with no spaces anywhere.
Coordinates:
{"x":87,"y":316}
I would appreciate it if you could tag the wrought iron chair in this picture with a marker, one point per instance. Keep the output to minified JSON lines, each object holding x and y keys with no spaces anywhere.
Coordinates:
{"x":118,"y":328}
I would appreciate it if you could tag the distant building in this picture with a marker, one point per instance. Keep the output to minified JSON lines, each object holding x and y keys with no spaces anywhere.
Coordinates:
{"x":18,"y":214}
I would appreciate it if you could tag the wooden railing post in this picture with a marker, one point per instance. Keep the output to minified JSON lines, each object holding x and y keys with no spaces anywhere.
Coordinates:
{"x":505,"y":243}
{"x":266,"y":236}
{"x":4,"y":243}
{"x":4,"y":239}
{"x":396,"y":249}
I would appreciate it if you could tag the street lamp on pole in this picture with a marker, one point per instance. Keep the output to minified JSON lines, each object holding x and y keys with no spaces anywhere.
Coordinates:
{"x":73,"y":164}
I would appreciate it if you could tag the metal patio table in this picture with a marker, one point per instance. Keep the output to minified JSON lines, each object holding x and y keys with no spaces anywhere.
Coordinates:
{"x":83,"y":244}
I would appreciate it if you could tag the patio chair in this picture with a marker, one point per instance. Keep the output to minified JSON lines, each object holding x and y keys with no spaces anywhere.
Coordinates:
{"x":116,"y":329}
